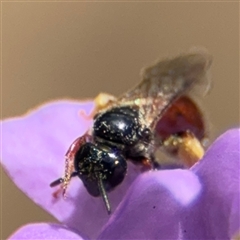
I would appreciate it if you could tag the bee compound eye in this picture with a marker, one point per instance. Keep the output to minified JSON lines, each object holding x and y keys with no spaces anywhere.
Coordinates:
{"x":117,"y":171}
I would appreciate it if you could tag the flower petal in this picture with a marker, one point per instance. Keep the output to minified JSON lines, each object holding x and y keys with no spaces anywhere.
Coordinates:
{"x":216,"y":214}
{"x":33,"y":149}
{"x":153,"y":205}
{"x":44,"y":231}
{"x":201,"y":203}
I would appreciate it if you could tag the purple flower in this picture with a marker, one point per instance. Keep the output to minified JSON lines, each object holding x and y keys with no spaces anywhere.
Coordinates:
{"x":200,"y":203}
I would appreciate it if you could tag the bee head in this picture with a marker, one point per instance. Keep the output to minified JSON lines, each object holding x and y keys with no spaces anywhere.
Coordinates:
{"x":94,"y":163}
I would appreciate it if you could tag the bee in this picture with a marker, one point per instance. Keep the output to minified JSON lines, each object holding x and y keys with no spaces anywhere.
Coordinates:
{"x":157,"y":113}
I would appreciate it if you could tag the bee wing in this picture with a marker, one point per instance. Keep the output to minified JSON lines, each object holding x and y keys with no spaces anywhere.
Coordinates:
{"x":164,"y":82}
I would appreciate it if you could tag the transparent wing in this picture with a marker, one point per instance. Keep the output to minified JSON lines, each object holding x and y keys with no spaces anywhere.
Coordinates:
{"x":164,"y":82}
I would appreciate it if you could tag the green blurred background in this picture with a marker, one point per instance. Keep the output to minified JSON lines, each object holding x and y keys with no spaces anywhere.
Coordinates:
{"x":54,"y":50}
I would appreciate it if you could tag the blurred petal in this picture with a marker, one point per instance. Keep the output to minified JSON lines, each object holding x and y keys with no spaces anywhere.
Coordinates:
{"x":201,"y":203}
{"x":153,"y":206}
{"x":44,"y":231}
{"x":216,"y":213}
{"x":234,"y":220}
{"x":33,"y":149}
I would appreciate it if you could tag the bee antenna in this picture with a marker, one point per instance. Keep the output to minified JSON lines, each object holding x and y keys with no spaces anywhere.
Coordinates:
{"x":104,"y":195}
{"x":61,"y":180}
{"x":56,"y":182}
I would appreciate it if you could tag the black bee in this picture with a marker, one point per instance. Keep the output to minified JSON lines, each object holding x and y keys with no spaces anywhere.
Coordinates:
{"x":137,"y":123}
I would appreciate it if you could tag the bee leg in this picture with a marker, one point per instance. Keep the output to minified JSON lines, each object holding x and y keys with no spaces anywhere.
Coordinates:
{"x":58,"y":182}
{"x":149,"y":164}
{"x":101,"y":101}
{"x":186,"y":146}
{"x":146,"y":164}
{"x":69,"y":165}
{"x":69,"y":160}
{"x":154,"y":163}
